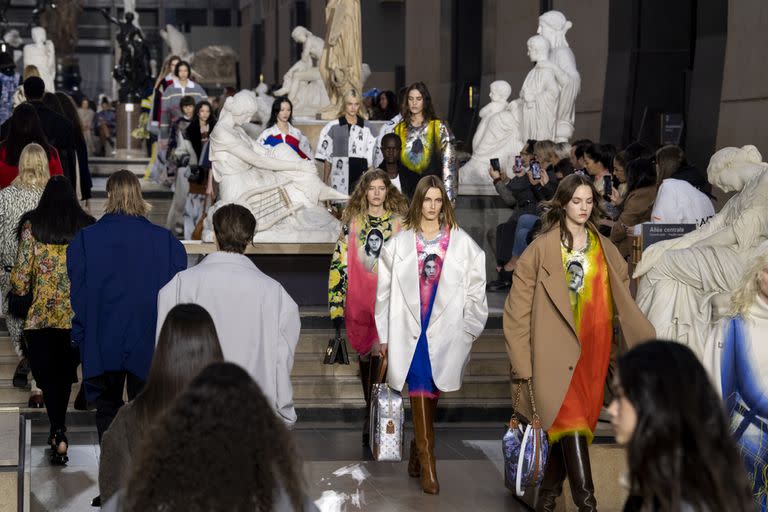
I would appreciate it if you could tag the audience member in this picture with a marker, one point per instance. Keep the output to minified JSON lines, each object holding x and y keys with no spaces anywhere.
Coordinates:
{"x":116,"y":267}
{"x":599,"y":162}
{"x":372,"y":216}
{"x":279,"y":129}
{"x":25,"y":128}
{"x":203,"y":453}
{"x":637,"y":204}
{"x":187,"y":344}
{"x":41,"y":269}
{"x":565,"y":345}
{"x":620,"y":162}
{"x":677,"y":200}
{"x":673,"y":163}
{"x":18,"y":96}
{"x":83,"y":170}
{"x":171,"y":108}
{"x":563,"y":150}
{"x":564,"y":168}
{"x":577,"y":153}
{"x":15,"y":200}
{"x":343,"y":166}
{"x":105,"y":127}
{"x":9,"y":81}
{"x":257,"y":321}
{"x":386,"y":106}
{"x":402,"y":178}
{"x":86,"y":114}
{"x":736,"y":357}
{"x":670,"y":419}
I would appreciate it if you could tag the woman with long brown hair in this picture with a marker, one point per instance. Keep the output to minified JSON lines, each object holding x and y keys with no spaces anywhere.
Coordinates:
{"x":568,"y":287}
{"x":427,"y":143}
{"x":430,"y":308}
{"x":187,"y":344}
{"x":373,"y":215}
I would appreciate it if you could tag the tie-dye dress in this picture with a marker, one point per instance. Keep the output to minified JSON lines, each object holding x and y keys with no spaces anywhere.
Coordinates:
{"x":431,"y":254}
{"x":589,"y":288}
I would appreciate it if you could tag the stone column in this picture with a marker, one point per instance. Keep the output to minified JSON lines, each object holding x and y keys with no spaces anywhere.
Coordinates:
{"x":423,"y":51}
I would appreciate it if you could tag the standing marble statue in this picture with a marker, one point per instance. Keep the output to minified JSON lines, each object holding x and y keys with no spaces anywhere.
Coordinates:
{"x":177,"y":43}
{"x":42,"y":54}
{"x":283,"y":191}
{"x":303,"y":83}
{"x":342,"y":59}
{"x":553,"y":27}
{"x":539,"y":94}
{"x":683,"y":281}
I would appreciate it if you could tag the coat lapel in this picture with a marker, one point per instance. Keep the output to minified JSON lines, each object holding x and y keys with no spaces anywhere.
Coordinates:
{"x":407,"y":272}
{"x":447,"y":287}
{"x":555,"y":283}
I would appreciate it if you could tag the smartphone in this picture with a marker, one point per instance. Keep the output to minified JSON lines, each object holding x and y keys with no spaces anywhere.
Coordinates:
{"x":518,"y":163}
{"x":607,"y":186}
{"x":535,"y":170}
{"x":495,"y":164}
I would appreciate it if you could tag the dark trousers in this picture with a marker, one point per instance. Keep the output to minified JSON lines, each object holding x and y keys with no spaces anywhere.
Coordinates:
{"x":54,"y":365}
{"x":110,"y":396}
{"x":505,"y":239}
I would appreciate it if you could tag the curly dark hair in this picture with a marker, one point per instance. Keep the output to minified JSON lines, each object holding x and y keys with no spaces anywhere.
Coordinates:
{"x":681,"y":450}
{"x":220,"y":446}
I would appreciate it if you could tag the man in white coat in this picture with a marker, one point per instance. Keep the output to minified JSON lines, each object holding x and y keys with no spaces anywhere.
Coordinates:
{"x":256,"y":320}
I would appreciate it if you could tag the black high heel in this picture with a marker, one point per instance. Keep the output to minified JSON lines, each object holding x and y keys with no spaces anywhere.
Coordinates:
{"x":59,"y":459}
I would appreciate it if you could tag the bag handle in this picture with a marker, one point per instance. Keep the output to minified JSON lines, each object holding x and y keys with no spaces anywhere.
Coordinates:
{"x":382,"y":369}
{"x":535,"y":415}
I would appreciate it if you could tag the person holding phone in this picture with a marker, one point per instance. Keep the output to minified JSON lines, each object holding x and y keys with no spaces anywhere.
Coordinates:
{"x":599,"y":160}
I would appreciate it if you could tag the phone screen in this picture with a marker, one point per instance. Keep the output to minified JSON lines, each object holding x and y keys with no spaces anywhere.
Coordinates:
{"x":536,"y":170}
{"x":495,"y":164}
{"x":607,"y":187}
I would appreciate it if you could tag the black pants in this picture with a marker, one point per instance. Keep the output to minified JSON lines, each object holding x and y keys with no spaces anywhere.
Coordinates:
{"x":110,"y":396}
{"x":505,"y":239}
{"x":54,"y":365}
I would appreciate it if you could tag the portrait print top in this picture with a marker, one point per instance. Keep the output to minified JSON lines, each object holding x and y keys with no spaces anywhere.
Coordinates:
{"x":586,"y":275}
{"x":349,"y":150}
{"x":353,"y":276}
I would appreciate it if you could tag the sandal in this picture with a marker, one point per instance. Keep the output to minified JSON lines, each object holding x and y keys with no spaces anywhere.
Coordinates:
{"x":57,"y":457}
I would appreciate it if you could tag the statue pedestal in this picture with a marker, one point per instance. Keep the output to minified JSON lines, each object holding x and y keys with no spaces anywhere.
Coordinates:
{"x":128,"y":120}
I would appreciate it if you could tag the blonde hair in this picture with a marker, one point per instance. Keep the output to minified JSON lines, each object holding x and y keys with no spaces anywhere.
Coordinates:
{"x":33,"y":167}
{"x":745,"y":294}
{"x":124,"y":195}
{"x":352,"y":93}
{"x":30,"y":70}
{"x":546,"y":152}
{"x":394,"y":201}
{"x":447,"y":215}
{"x":167,"y":68}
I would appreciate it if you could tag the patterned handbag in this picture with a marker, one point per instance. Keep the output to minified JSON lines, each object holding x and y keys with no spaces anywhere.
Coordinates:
{"x":525,"y":448}
{"x":387,"y":418}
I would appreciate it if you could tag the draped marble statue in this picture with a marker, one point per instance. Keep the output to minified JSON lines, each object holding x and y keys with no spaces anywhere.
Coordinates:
{"x":41,"y":53}
{"x":302,"y":83}
{"x":539,"y":94}
{"x":684,"y":281}
{"x":553,"y":26}
{"x":283,"y":191}
{"x":342,"y":58}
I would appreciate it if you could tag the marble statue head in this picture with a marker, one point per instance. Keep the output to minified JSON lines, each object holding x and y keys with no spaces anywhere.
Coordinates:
{"x":300,"y":34}
{"x":553,"y":25}
{"x":730,"y":168}
{"x":538,"y":48}
{"x":241,"y":107}
{"x":500,"y":90}
{"x":38,"y":34}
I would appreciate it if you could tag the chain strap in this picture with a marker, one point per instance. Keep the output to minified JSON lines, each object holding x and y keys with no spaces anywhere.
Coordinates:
{"x":516,"y":403}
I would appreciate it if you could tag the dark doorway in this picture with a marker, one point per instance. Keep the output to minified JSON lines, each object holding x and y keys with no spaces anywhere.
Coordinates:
{"x":466,"y":68}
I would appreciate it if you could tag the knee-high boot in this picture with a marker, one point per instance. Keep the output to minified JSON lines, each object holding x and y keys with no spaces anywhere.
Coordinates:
{"x":552,"y":485}
{"x":423,"y":410}
{"x":577,"y":466}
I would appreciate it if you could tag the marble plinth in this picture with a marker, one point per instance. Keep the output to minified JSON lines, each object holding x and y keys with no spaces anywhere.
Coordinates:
{"x":311,"y":128}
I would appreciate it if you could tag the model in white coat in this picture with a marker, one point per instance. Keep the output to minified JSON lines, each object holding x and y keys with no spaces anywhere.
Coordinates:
{"x":430,"y":308}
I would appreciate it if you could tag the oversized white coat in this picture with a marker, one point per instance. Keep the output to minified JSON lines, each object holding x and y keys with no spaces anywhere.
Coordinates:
{"x":458,"y":313}
{"x":256,"y":320}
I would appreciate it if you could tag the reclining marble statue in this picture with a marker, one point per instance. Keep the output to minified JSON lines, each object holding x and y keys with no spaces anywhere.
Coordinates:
{"x":302,"y":83}
{"x":684,"y":281}
{"x":284,"y":192}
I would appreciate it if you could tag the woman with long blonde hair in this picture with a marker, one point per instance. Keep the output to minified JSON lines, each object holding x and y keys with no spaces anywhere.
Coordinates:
{"x":346,"y":145}
{"x":21,"y":196}
{"x":19,"y":97}
{"x":736,"y":357}
{"x":373,"y":215}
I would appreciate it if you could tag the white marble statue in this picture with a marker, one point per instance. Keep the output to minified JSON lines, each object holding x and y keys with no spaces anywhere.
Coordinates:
{"x":42,"y":54}
{"x":497,"y":136}
{"x":14,"y":41}
{"x":177,"y":42}
{"x":539,"y":94}
{"x":553,"y":27}
{"x":283,"y":191}
{"x":342,"y":59}
{"x":302,"y":83}
{"x":683,"y":281}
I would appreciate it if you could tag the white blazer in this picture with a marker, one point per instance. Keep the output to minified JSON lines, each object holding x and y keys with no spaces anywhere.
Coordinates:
{"x":458,"y":314}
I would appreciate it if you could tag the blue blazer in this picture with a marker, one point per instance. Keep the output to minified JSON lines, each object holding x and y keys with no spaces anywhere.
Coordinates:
{"x":116,"y":268}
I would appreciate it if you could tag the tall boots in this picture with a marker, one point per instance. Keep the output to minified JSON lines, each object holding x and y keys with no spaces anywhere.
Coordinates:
{"x":369,"y":371}
{"x":569,"y":456}
{"x":423,"y":410}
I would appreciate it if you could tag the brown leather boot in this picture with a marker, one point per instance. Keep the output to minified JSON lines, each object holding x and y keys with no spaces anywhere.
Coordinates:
{"x":577,"y":466}
{"x":423,"y":410}
{"x":414,"y":468}
{"x":552,"y":486}
{"x":365,"y":380}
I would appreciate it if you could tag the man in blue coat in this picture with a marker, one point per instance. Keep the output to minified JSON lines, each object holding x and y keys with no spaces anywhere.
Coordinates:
{"x":116,"y":268}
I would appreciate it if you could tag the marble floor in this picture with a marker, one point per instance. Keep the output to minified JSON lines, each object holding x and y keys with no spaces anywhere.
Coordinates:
{"x":469,"y":467}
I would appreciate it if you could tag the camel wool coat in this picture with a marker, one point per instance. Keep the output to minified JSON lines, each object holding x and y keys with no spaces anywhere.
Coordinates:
{"x":458,"y":314}
{"x":539,"y":326}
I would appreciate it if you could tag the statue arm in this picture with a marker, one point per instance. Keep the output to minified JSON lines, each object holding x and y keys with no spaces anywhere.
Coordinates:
{"x":110,"y":19}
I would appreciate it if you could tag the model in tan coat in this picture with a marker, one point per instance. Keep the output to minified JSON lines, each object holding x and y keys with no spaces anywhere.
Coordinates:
{"x":541,"y":333}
